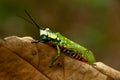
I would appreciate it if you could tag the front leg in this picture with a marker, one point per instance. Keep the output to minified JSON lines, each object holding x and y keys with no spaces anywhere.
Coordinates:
{"x":56,"y":57}
{"x":37,"y":41}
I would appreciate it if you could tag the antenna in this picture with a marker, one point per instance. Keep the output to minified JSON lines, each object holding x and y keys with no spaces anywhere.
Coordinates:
{"x":25,"y":19}
{"x":32,"y":19}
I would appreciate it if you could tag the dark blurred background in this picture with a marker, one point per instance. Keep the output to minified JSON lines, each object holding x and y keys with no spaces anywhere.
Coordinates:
{"x":94,"y":24}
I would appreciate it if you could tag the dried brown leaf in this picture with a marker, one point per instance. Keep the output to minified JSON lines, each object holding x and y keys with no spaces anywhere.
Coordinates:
{"x":22,"y":60}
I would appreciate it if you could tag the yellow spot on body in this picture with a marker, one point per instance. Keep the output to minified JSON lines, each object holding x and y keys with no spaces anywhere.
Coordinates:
{"x":58,"y":38}
{"x":51,"y":35}
{"x":47,"y":29}
{"x":83,"y":55}
{"x":71,"y":42}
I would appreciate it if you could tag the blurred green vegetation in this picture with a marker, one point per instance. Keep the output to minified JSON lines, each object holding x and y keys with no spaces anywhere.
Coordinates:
{"x":92,"y":23}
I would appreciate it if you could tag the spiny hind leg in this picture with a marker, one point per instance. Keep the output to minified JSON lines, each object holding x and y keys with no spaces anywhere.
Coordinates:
{"x":56,"y":57}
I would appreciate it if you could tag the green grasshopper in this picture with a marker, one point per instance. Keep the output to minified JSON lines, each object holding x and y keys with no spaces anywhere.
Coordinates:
{"x":62,"y":44}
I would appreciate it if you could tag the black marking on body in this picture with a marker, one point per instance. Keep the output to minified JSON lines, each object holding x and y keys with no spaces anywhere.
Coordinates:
{"x":68,"y":52}
{"x":73,"y":54}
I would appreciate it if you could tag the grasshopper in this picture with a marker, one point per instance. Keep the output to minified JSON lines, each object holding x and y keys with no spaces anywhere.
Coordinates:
{"x":62,"y":44}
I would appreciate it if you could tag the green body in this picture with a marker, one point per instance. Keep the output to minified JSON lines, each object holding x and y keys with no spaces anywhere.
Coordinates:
{"x":56,"y":38}
{"x":67,"y":43}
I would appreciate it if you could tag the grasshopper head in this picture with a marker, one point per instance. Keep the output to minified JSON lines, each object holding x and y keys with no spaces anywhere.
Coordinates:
{"x":47,"y":34}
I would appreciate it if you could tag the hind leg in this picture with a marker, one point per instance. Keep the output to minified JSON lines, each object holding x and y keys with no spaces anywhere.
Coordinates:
{"x":56,"y":57}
